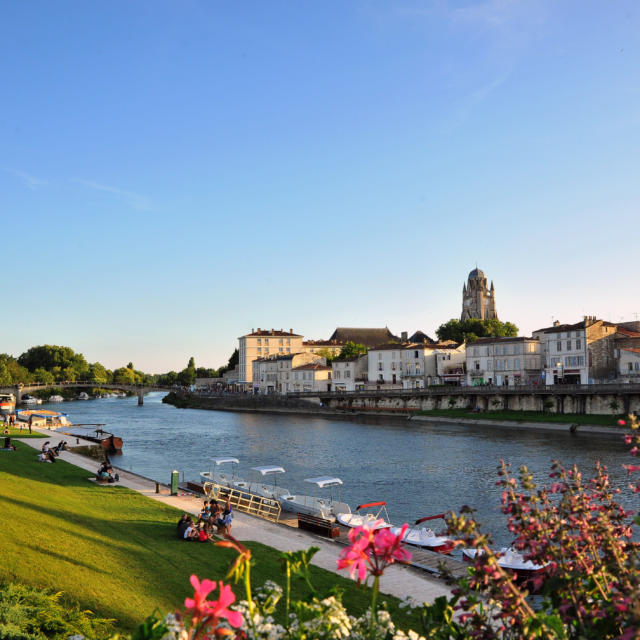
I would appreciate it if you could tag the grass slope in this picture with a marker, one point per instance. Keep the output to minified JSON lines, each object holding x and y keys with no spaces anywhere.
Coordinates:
{"x":115,"y":550}
{"x":15,"y":432}
{"x":525,"y":416}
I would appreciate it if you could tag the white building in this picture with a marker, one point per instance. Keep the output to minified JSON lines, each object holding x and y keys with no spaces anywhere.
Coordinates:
{"x":273,"y":374}
{"x":437,"y":363}
{"x":311,"y":377}
{"x":504,"y":361}
{"x":385,"y":365}
{"x":350,"y":374}
{"x":629,"y":364}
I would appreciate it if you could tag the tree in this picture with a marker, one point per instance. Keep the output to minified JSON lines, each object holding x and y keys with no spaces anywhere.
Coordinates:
{"x":188,"y":375}
{"x":124,"y":375}
{"x":326,"y":353}
{"x":473,"y":328}
{"x":5,"y":376}
{"x":351,"y":350}
{"x":233,"y":361}
{"x":52,"y":356}
{"x":44,"y":376}
{"x":99,"y":374}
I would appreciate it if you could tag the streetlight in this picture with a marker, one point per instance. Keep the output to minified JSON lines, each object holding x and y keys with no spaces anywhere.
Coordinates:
{"x":560,"y":372}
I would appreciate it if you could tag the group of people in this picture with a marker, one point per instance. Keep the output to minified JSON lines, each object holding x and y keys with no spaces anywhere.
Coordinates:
{"x":49,"y":454}
{"x":105,"y":473}
{"x":9,"y":421}
{"x":213,"y":517}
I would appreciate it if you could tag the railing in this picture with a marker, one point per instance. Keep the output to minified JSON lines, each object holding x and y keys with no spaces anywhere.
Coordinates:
{"x":267,"y":508}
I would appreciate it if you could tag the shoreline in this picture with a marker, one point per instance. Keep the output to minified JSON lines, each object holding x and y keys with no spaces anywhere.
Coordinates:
{"x":357,"y":416}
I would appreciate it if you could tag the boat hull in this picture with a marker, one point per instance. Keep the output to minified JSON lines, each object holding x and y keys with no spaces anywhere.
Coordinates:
{"x":357,"y":520}
{"x":511,"y":561}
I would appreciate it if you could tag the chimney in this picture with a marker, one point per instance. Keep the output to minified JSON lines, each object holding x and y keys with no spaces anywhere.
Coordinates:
{"x":404,"y":336}
{"x":556,"y":323}
{"x":290,"y":330}
{"x":252,"y":331}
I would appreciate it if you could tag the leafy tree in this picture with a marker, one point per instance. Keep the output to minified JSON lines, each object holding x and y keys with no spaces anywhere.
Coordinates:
{"x":473,"y":328}
{"x":351,"y":350}
{"x":203,"y":372}
{"x":99,"y":374}
{"x":326,"y":353}
{"x":5,"y":376}
{"x":50,"y":356}
{"x":168,"y":379}
{"x":124,"y":375}
{"x":18,"y":372}
{"x":188,"y":375}
{"x":233,"y":361}
{"x":130,"y":366}
{"x":44,"y":376}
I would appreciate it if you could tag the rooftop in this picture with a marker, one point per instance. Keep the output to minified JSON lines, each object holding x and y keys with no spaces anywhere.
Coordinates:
{"x":369,"y":337}
{"x":313,"y":366}
{"x":276,"y":333}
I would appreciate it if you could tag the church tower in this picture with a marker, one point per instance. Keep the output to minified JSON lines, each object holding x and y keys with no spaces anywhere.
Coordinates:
{"x":478,"y":301}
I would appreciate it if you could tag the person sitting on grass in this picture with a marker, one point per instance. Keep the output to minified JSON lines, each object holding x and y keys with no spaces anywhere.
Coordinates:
{"x":205,"y":514}
{"x":190,"y":533}
{"x":224,"y":520}
{"x":205,"y":533}
{"x":183,"y":523}
{"x":105,"y":473}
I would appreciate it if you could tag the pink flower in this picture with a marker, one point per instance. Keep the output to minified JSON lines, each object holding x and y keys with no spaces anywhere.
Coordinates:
{"x":389,"y":547}
{"x":202,"y":589}
{"x":218,"y":608}
{"x":621,"y":422}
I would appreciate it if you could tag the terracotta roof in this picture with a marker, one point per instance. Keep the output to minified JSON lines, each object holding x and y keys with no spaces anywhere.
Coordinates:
{"x":322,"y":343}
{"x":632,"y":349}
{"x":627,"y":332}
{"x":272,"y":333}
{"x":390,"y":346}
{"x":359,"y":335}
{"x":312,"y":366}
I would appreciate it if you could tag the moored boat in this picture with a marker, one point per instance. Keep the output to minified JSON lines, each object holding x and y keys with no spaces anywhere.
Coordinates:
{"x":83,"y":395}
{"x":326,"y":508}
{"x":7,"y":403}
{"x":264,"y":488}
{"x":425,"y":537}
{"x":360,"y":518}
{"x":43,"y":418}
{"x":510,"y":559}
{"x":56,"y":398}
{"x":29,"y":399}
{"x":109,"y":442}
{"x":222,"y":477}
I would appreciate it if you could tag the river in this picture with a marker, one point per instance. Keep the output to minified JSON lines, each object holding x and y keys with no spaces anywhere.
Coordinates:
{"x":418,"y":468}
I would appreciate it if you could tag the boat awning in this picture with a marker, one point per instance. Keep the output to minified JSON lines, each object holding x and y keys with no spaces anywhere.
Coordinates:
{"x":268,"y":469}
{"x":324,"y":481}
{"x":223,"y":460}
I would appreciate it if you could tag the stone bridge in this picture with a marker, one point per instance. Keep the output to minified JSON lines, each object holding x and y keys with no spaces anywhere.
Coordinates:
{"x":22,"y":389}
{"x":586,"y":399}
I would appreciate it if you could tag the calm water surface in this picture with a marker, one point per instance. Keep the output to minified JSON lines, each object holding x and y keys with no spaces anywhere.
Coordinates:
{"x":418,"y":468}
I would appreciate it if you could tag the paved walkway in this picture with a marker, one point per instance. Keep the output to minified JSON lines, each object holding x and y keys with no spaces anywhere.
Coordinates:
{"x":398,"y":580}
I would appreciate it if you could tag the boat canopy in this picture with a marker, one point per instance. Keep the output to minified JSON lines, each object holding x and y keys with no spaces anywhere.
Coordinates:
{"x":324,"y":481}
{"x":268,"y":469}
{"x":219,"y":461}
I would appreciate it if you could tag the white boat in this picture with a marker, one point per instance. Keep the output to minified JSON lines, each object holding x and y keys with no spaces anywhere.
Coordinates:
{"x":222,"y":477}
{"x":83,"y":395}
{"x":30,"y":400}
{"x":509,"y":558}
{"x":425,"y":537}
{"x":56,"y":398}
{"x":314,"y":505}
{"x":263,"y":488}
{"x":43,"y":418}
{"x":362,"y":518}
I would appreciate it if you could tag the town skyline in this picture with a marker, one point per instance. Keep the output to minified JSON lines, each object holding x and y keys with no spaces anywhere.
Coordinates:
{"x":173,"y":175}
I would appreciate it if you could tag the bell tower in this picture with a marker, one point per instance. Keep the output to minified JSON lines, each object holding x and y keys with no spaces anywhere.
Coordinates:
{"x":478,"y":300}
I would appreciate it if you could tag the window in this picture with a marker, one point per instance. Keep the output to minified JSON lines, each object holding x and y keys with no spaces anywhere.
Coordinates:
{"x":477,"y":365}
{"x":379,"y":356}
{"x":568,"y":345}
{"x":266,"y":349}
{"x":347,"y":374}
{"x":489,"y":364}
{"x":337,"y":376}
{"x":630,"y":366}
{"x":559,"y":346}
{"x":418,"y":372}
{"x":379,"y":366}
{"x":517,"y":364}
{"x":281,"y":350}
{"x":415,"y":354}
{"x":393,"y":366}
{"x":259,"y":349}
{"x":505,"y":350}
{"x":280,"y":341}
{"x":288,"y":340}
{"x":266,"y":340}
{"x":259,"y":340}
{"x":288,"y":350}
{"x":578,"y":344}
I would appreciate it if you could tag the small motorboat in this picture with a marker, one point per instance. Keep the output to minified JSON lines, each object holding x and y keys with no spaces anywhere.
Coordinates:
{"x":7,"y":402}
{"x":263,"y":488}
{"x":362,"y":518}
{"x":29,"y":399}
{"x":510,"y":559}
{"x":425,"y":537}
{"x":325,"y":508}
{"x":56,"y":398}
{"x":83,"y":395}
{"x":223,"y":477}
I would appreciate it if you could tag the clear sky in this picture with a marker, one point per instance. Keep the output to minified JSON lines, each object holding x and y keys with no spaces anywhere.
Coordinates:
{"x":174,"y":174}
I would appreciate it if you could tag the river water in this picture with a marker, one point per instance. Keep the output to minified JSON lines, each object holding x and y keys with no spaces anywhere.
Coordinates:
{"x":418,"y":468}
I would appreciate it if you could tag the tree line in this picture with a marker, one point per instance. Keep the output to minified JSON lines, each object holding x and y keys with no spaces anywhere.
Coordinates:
{"x":49,"y":364}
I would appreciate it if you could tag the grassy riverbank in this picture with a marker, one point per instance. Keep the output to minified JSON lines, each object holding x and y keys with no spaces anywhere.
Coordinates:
{"x":16,"y":432}
{"x":524,"y":416}
{"x":114,"y":550}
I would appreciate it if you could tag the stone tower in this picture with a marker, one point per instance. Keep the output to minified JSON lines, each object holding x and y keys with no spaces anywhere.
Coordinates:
{"x":478,"y":301}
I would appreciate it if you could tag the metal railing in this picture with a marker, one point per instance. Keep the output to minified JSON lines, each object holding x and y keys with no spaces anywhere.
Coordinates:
{"x":251,"y":503}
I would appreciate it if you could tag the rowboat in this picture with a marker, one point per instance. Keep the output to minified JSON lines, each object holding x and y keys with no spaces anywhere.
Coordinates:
{"x":361,"y":518}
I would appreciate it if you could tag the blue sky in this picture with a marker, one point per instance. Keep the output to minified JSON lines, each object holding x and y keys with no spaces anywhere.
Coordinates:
{"x":173,"y":174}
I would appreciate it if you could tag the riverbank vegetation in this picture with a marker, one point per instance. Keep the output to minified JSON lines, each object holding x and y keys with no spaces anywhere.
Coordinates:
{"x":115,"y":551}
{"x":524,"y":416}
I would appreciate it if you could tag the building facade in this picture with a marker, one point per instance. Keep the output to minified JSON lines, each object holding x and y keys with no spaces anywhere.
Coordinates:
{"x":504,"y":361}
{"x":350,"y":374}
{"x":260,"y":344}
{"x":478,"y":300}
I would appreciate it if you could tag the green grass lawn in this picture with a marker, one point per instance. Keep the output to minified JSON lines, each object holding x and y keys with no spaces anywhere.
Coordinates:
{"x":525,"y":416}
{"x":15,"y":432}
{"x":114,"y":550}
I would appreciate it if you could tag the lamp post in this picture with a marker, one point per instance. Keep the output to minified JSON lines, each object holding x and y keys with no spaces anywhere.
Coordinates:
{"x":560,"y":367}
